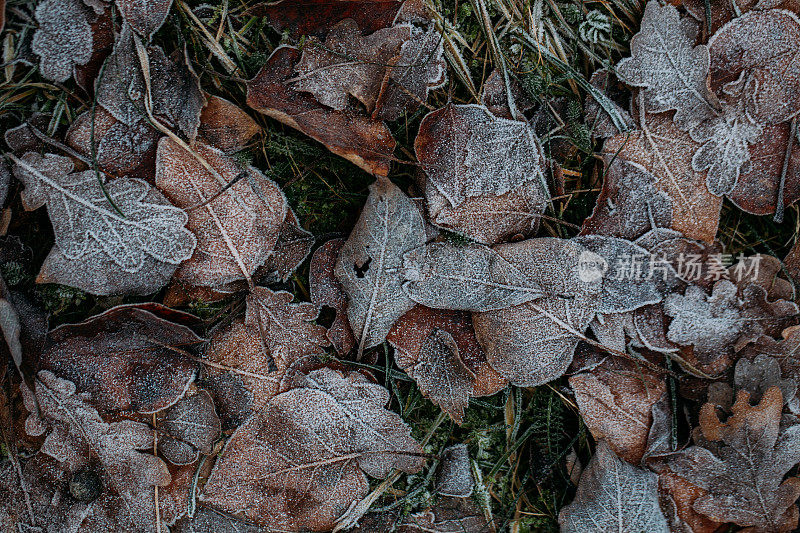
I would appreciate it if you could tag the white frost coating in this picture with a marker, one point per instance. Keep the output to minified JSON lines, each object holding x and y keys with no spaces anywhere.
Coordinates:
{"x":671,"y":70}
{"x":64,"y":38}
{"x":85,"y":221}
{"x":614,"y":495}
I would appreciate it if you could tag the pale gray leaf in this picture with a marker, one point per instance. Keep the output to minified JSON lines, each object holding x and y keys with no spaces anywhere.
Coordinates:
{"x":370,"y":261}
{"x":64,"y":38}
{"x":472,"y":277}
{"x":455,"y":472}
{"x":614,"y":496}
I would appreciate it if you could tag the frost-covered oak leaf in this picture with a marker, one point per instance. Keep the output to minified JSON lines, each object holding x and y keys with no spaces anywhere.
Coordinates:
{"x":125,"y":224}
{"x":614,"y":495}
{"x":63,"y":39}
{"x":672,"y":71}
{"x":303,"y":460}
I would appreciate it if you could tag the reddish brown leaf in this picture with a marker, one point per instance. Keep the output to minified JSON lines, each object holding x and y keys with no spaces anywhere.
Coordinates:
{"x":126,"y":359}
{"x":326,"y":291}
{"x":300,"y":463}
{"x":225,"y":125}
{"x":292,"y":248}
{"x":237,"y":228}
{"x":365,"y":142}
{"x":190,"y":426}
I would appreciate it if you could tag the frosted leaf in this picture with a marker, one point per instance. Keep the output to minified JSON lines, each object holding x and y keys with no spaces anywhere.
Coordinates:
{"x":63,"y":39}
{"x":288,"y":329}
{"x":125,"y":359}
{"x":206,"y":520}
{"x":120,"y":149}
{"x":757,"y":376}
{"x":348,"y":64}
{"x":623,"y":287}
{"x":316,"y":17}
{"x":120,"y":87}
{"x":614,"y":496}
{"x":725,"y":151}
{"x":79,"y":438}
{"x":237,"y":230}
{"x":711,"y":324}
{"x":455,"y":472}
{"x":369,"y":264}
{"x":616,"y":400}
{"x":86,"y":224}
{"x":449,"y":515}
{"x":534,"y":342}
{"x":145,"y":16}
{"x":362,"y":140}
{"x":665,"y":151}
{"x":291,"y":250}
{"x":472,"y":277}
{"x":419,"y":67}
{"x":191,"y":422}
{"x":412,"y":337}
{"x":673,"y":73}
{"x":225,"y":125}
{"x":439,"y":372}
{"x":742,"y":478}
{"x":757,"y":52}
{"x":316,"y":440}
{"x":466,"y":152}
{"x":326,"y":291}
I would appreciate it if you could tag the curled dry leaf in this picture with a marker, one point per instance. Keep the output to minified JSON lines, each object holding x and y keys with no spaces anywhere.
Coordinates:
{"x":191,"y":426}
{"x":63,"y":39}
{"x":533,"y":343}
{"x":363,"y":141}
{"x":472,"y":277}
{"x":616,"y":401}
{"x":144,"y":16}
{"x":438,"y":349}
{"x":614,"y":496}
{"x":287,"y":329}
{"x":370,"y":261}
{"x":127,"y":358}
{"x":742,"y":476}
{"x":80,"y":440}
{"x":300,"y":463}
{"x":97,"y":249}
{"x":484,"y":175}
{"x":225,"y":125}
{"x":326,"y":291}
{"x":236,"y":227}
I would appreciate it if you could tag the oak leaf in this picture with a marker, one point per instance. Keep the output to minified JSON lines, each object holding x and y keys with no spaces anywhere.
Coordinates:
{"x":64,"y":38}
{"x":124,"y":225}
{"x":302,"y":461}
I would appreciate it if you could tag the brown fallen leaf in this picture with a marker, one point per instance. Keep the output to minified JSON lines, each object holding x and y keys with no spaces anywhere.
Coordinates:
{"x":97,"y":249}
{"x":450,"y":515}
{"x":533,"y":343}
{"x":615,"y":401}
{"x":484,"y":175}
{"x":302,"y":461}
{"x":206,"y":520}
{"x":128,"y":358}
{"x":291,"y":249}
{"x":317,"y":17}
{"x":743,"y":468}
{"x":81,"y":442}
{"x":63,"y":39}
{"x":236,"y":227}
{"x":326,"y":291}
{"x":225,"y":125}
{"x":145,"y":16}
{"x":118,"y":148}
{"x":363,"y":141}
{"x":191,"y":426}
{"x":287,"y":329}
{"x":613,"y":496}
{"x":665,"y":152}
{"x":370,"y":261}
